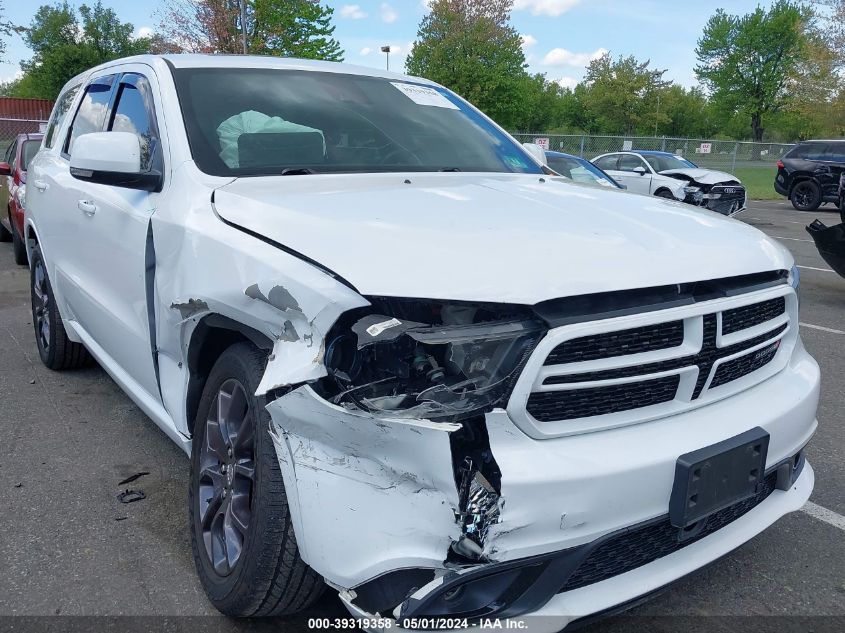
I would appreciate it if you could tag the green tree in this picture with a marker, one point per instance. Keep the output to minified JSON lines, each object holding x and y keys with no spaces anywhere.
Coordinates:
{"x":622,"y":94}
{"x":61,"y":49}
{"x":471,"y":47}
{"x":288,"y":28}
{"x":5,"y":30}
{"x":746,"y":61}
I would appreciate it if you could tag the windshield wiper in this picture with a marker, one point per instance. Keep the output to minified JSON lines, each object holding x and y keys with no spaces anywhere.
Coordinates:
{"x":296,"y":171}
{"x":451,"y":169}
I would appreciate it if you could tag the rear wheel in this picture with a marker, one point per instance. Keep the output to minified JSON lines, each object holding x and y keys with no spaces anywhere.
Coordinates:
{"x":56,"y":350}
{"x":806,"y":195}
{"x":242,"y":537}
{"x":5,"y":235}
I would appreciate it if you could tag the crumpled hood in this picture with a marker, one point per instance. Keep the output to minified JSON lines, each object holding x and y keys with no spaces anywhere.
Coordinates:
{"x":704,"y":176}
{"x":492,"y":237}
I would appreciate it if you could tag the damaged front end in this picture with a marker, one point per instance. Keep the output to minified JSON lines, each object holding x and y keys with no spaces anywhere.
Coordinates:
{"x":726,"y":198}
{"x":396,"y":431}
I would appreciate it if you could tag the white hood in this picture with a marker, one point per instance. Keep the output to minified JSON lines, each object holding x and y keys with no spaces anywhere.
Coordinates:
{"x":704,"y":176}
{"x":492,"y":237}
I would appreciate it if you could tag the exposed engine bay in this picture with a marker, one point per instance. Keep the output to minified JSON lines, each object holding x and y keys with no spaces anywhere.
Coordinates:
{"x":726,"y":197}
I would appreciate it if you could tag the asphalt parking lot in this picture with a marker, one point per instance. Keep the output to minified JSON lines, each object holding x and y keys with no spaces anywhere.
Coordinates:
{"x":70,"y":548}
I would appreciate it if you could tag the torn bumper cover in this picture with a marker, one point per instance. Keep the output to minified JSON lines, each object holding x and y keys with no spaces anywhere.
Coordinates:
{"x":379,"y":503}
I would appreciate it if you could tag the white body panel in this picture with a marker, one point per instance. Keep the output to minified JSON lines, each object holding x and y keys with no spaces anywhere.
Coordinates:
{"x":370,"y":494}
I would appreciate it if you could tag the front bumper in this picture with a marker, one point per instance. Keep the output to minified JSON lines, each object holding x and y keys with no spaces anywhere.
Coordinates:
{"x":372,"y":496}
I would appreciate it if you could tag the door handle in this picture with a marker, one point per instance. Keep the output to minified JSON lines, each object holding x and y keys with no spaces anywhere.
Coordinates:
{"x":40,"y":185}
{"x":87,"y":207}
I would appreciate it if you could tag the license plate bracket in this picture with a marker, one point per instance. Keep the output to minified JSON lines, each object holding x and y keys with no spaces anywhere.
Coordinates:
{"x":715,"y":477}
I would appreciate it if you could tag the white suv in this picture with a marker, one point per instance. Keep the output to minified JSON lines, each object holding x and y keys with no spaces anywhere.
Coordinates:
{"x":405,"y":360}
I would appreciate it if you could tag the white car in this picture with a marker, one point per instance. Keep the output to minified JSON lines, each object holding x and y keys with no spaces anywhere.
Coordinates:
{"x":404,"y":360}
{"x":666,"y":175}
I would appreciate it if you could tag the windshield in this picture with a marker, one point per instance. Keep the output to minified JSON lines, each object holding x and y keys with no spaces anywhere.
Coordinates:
{"x":29,"y":150}
{"x":578,"y":170}
{"x":660,"y":162}
{"x":264,"y":121}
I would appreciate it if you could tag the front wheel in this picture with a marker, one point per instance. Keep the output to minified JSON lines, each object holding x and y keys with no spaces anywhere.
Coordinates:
{"x":806,"y":195}
{"x":242,"y":537}
{"x":665,"y":194}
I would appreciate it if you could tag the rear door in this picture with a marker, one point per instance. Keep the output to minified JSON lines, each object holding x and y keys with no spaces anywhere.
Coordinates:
{"x":110,"y":297}
{"x":832,"y":180}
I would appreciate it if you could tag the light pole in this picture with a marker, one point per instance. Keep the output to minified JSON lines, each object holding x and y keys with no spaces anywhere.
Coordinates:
{"x":386,"y":50}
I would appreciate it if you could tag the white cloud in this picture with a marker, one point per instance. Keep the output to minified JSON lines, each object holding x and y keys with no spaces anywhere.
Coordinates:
{"x":563,"y":57}
{"x":528,"y":41}
{"x":365,"y":51}
{"x":144,"y":31}
{"x":352,"y":12}
{"x":567,"y":82}
{"x":553,"y":8}
{"x":388,"y":13}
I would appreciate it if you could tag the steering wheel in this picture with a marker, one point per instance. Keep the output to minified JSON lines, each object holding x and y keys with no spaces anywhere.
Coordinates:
{"x":399,"y":151}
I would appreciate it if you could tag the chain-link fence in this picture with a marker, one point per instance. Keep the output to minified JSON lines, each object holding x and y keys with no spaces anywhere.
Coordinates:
{"x":723,"y":155}
{"x":10,"y":128}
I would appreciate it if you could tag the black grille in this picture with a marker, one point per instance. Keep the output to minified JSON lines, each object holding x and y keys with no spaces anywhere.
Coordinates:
{"x":622,"y":343}
{"x":739,"y":367}
{"x":745,"y":317}
{"x":642,"y":545}
{"x":547,"y":406}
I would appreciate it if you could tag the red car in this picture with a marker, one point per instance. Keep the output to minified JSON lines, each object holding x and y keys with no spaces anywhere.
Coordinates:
{"x":14,"y":165}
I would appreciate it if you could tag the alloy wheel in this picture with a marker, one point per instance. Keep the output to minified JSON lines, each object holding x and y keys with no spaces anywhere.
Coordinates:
{"x":41,"y":305}
{"x":226,"y":477}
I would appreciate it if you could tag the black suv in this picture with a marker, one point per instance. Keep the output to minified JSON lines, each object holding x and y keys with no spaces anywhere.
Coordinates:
{"x":810,"y":173}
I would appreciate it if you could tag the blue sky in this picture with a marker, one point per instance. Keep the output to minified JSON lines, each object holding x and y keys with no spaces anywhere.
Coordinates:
{"x":560,"y":36}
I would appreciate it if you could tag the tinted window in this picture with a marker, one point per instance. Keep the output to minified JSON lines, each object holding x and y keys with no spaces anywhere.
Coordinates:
{"x":835,"y":152}
{"x":264,"y":121}
{"x":91,"y":114}
{"x":10,"y":154}
{"x":60,"y":110}
{"x":629,"y":162}
{"x":606,"y":162}
{"x":808,"y":151}
{"x":132,"y":114}
{"x":578,"y":170}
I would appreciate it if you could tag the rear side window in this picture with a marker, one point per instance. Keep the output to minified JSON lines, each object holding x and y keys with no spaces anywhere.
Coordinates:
{"x":835,"y":152}
{"x":59,"y":113}
{"x":606,"y":162}
{"x":808,"y":151}
{"x":133,"y":113}
{"x":91,"y":115}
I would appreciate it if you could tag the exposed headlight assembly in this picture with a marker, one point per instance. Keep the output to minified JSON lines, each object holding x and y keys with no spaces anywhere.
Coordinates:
{"x":426,"y":359}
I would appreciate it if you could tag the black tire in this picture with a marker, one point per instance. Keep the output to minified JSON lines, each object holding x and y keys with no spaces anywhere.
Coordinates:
{"x":259,"y":571}
{"x":5,"y":234}
{"x":56,"y":350}
{"x":806,"y":195}
{"x":18,"y":246}
{"x":665,"y":193}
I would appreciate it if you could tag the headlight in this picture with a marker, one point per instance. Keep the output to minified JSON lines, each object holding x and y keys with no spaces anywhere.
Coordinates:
{"x":412,"y":358}
{"x":794,"y":280}
{"x":689,"y":190}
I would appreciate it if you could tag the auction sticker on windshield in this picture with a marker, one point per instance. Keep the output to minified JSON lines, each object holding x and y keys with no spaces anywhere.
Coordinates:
{"x":424,"y":95}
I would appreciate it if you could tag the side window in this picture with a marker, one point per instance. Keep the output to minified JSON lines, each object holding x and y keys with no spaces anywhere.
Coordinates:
{"x":809,"y":151}
{"x":28,"y":152}
{"x":629,"y":162}
{"x":91,"y":114}
{"x":133,"y":112}
{"x":835,"y":152}
{"x":606,"y":162}
{"x":59,"y":113}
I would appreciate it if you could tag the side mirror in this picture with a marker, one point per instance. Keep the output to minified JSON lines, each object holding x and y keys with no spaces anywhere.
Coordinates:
{"x":640,"y":170}
{"x":5,"y":169}
{"x":537,"y":153}
{"x":112,"y":158}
